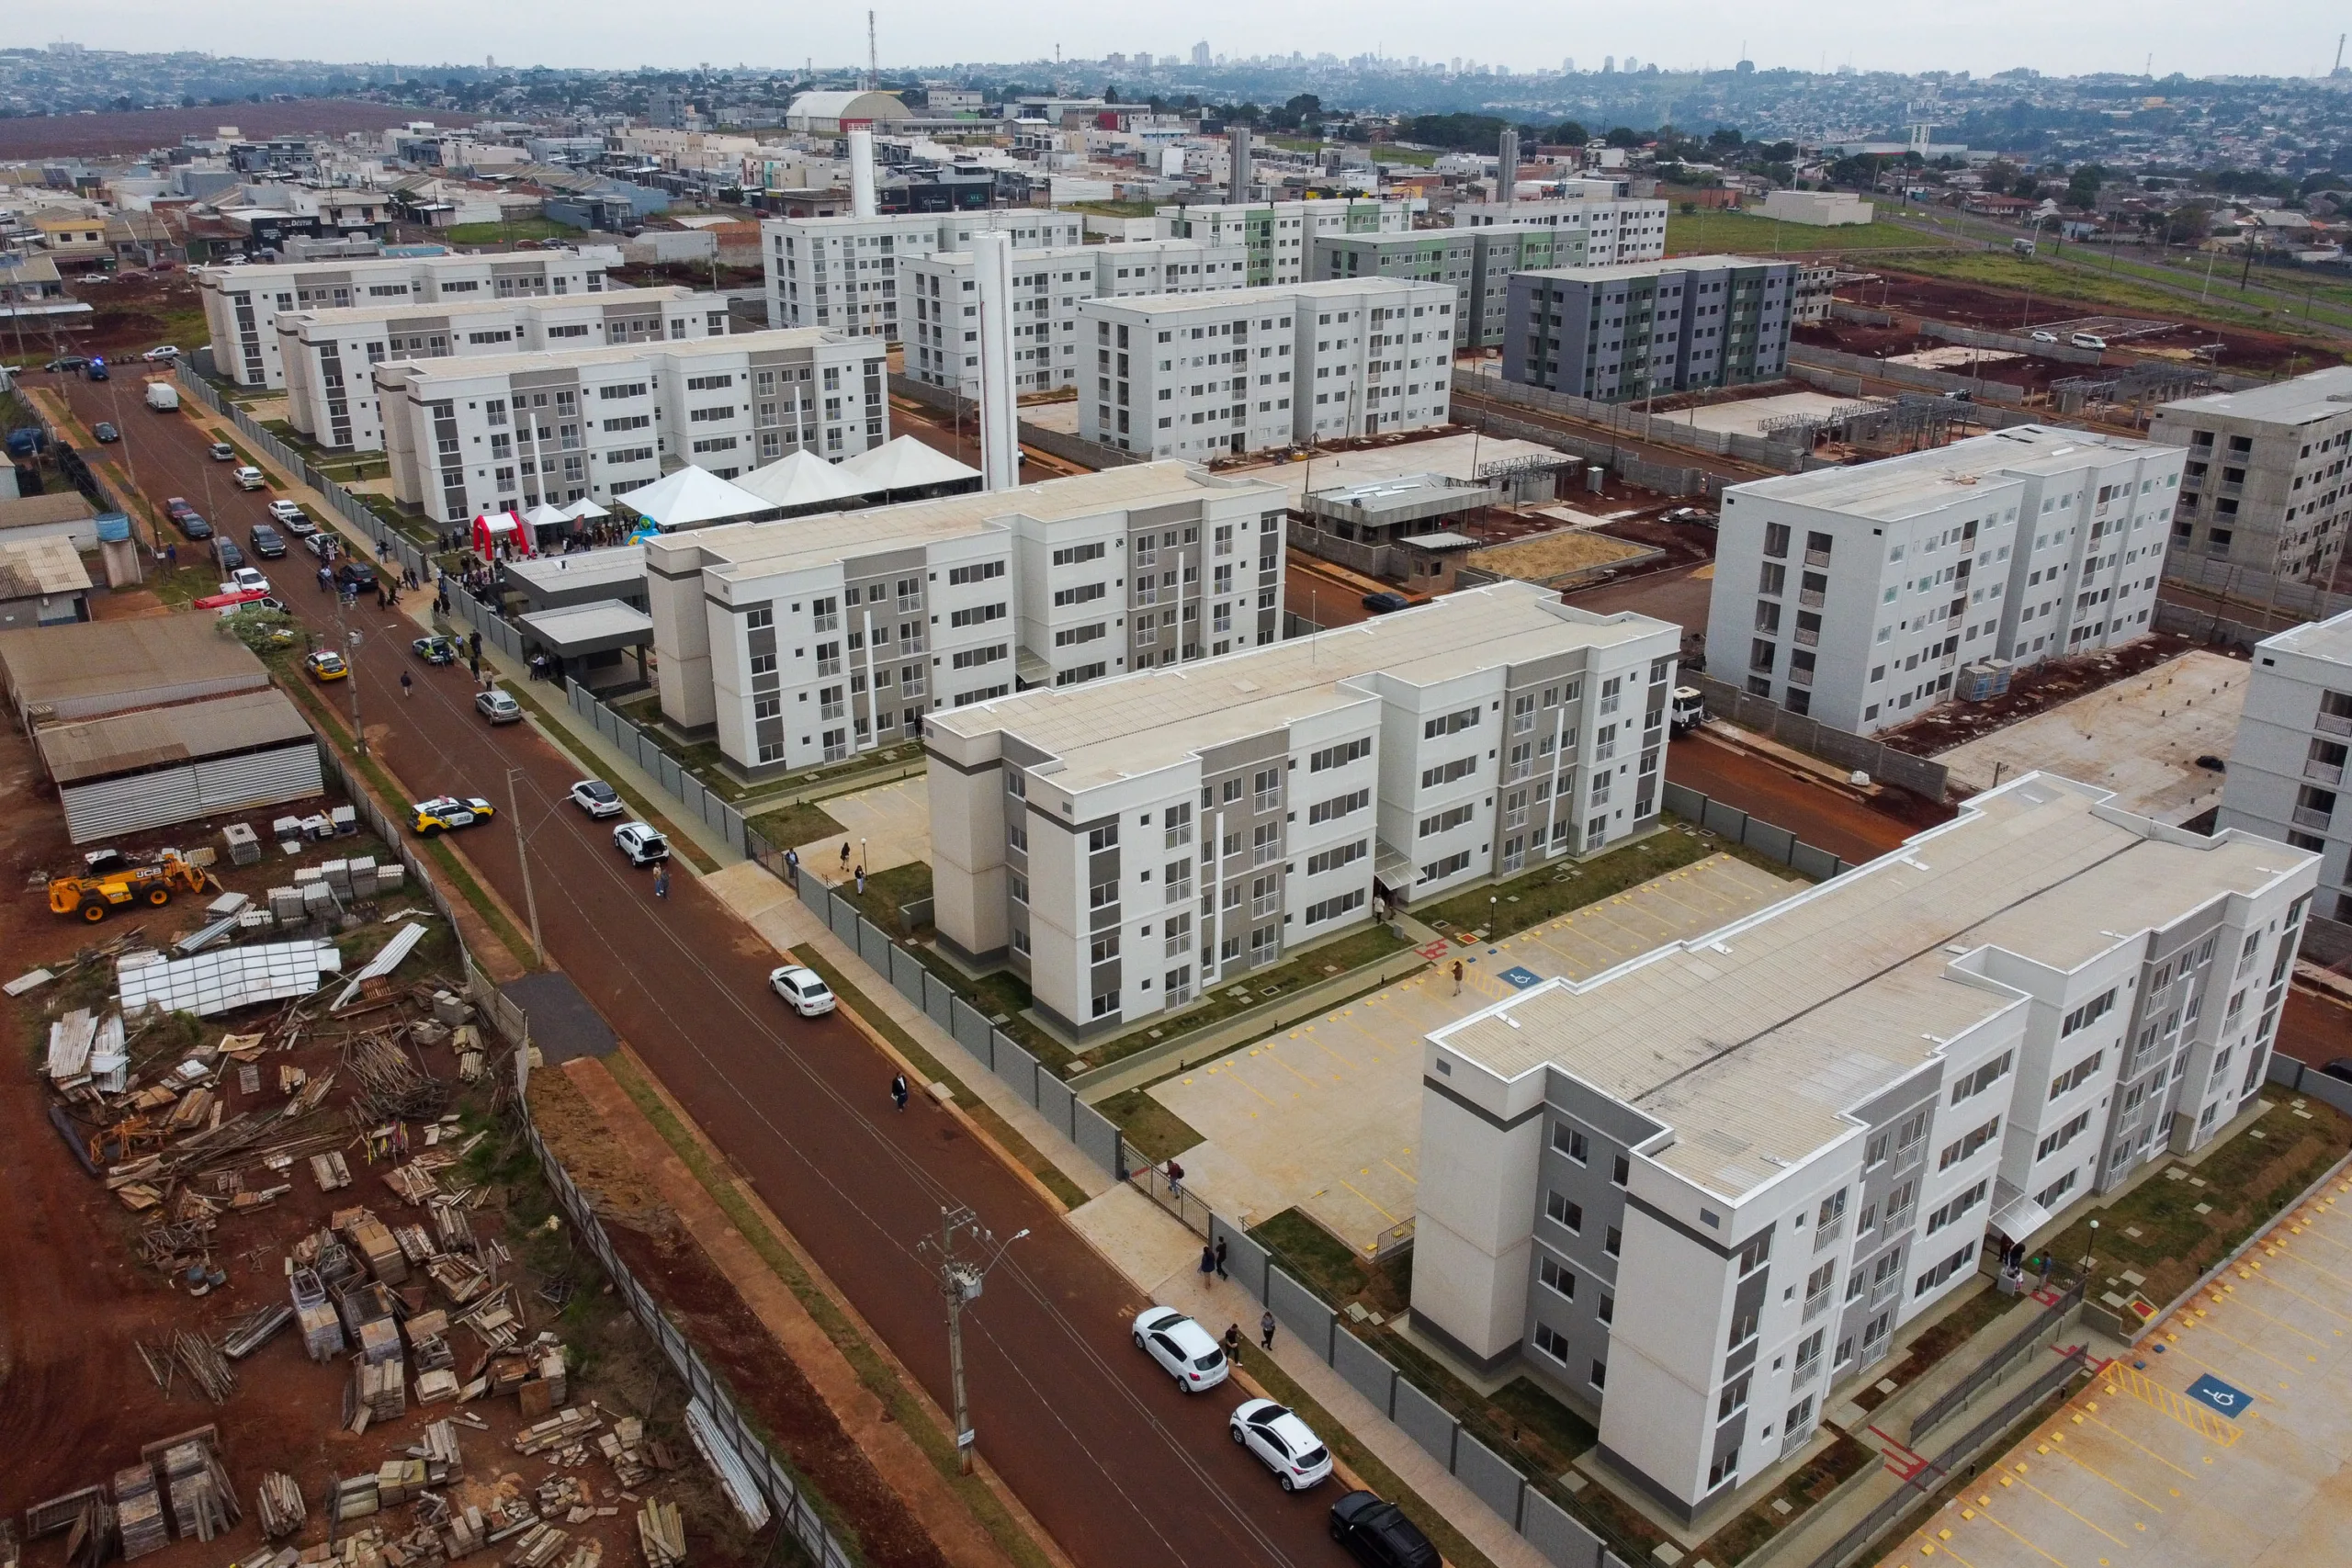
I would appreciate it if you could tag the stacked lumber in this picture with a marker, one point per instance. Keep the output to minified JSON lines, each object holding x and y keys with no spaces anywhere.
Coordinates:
{"x":465,"y":1533}
{"x":413,"y":1182}
{"x":354,"y":1499}
{"x":202,"y":1504}
{"x":400,"y":1481}
{"x":662,"y":1533}
{"x":248,"y":1332}
{"x":450,"y":1223}
{"x":330,"y":1171}
{"x":203,"y":1361}
{"x":560,"y":1430}
{"x":439,"y":1453}
{"x":280,"y":1500}
{"x":624,"y":1449}
{"x":139,"y":1512}
{"x":461,"y":1278}
{"x":415,"y":1243}
{"x":537,"y":1547}
{"x":372,"y":1240}
{"x":379,"y":1392}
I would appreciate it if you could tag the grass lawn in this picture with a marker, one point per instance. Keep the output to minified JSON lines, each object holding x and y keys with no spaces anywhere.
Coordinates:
{"x":506,"y":233}
{"x":2060,"y":285}
{"x":801,"y":823}
{"x":1419,"y":157}
{"x":1556,"y":888}
{"x":1115,"y":208}
{"x":1150,"y":1128}
{"x":1364,"y":948}
{"x":2247,"y":1181}
{"x":1751,"y":234}
{"x":887,"y":891}
{"x":1957,"y":1327}
{"x":1818,"y":1477}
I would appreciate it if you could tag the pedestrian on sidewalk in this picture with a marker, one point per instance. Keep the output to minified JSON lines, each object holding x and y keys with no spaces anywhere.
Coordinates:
{"x":662,"y":880}
{"x":1220,"y":1257}
{"x":407,"y":687}
{"x":1266,"y":1331}
{"x":1208,"y":1264}
{"x":1233,"y":1343}
{"x":899,"y":1090}
{"x":791,"y":867}
{"x":861,"y":880}
{"x":1175,"y":1180}
{"x":844,"y":854}
{"x":1457,"y":977}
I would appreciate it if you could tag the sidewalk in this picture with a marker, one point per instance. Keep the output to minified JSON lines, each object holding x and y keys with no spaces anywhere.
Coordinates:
{"x":1139,"y":1237}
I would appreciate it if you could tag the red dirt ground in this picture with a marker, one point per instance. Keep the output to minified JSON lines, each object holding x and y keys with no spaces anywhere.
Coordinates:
{"x":94,"y":135}
{"x":1853,"y":829}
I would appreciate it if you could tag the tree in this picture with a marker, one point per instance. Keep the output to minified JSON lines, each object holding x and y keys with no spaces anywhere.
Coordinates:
{"x":1304,"y":109}
{"x":1723,"y":139}
{"x":2188,"y":223}
{"x":2083,"y":185}
{"x":1568,"y":133}
{"x":1623,"y":136}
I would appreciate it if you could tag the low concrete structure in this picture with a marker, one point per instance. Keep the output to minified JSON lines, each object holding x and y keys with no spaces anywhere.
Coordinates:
{"x":1818,"y":208}
{"x":63,"y":514}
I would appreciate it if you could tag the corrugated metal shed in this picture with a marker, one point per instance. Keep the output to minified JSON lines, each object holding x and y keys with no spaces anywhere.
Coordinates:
{"x":104,"y":667}
{"x":157,"y":737}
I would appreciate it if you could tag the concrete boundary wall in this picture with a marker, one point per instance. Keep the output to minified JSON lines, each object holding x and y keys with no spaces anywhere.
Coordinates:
{"x":1734,"y":705}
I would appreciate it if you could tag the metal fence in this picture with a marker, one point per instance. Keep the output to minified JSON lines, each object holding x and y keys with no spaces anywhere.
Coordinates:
{"x":1846,"y":749}
{"x":2046,"y":1327}
{"x":679,"y":785}
{"x":1563,"y":1537}
{"x":1727,"y":821}
{"x":1856,"y":1542}
{"x":1095,"y":1134}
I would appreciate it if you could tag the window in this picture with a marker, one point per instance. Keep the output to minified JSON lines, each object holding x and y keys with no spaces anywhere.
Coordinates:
{"x":1450,"y":724}
{"x":1621,"y":1171}
{"x":1339,"y":756}
{"x":1557,"y":1208}
{"x":1954,"y":1153}
{"x":1955,"y":1207}
{"x":2075,"y":1077}
{"x":1333,"y":908}
{"x":1944,"y":1271}
{"x":1446,"y":821}
{"x":1570,"y":1141}
{"x":1339,"y":806}
{"x":1074,"y":555}
{"x":1446,"y":772}
{"x":1333,"y":859}
{"x":1550,"y":1340}
{"x":1599,"y":1374}
{"x":1755,"y":1254}
{"x":1557,"y":1278}
{"x":1734,"y":1397}
{"x":2052,"y":1142}
{"x":1103,"y":837}
{"x":2090,"y":1012}
{"x":978,"y":615}
{"x":1613,"y":1241}
{"x":1977,"y":1082}
{"x":981,"y":572}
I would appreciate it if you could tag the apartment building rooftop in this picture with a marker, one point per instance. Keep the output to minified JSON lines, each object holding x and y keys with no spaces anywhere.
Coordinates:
{"x":359,"y":315}
{"x":2322,"y":394}
{"x":1622,"y":270}
{"x":766,"y":340}
{"x":1146,"y":720}
{"x":1905,"y":486}
{"x":2330,"y":639}
{"x":1752,"y":1040}
{"x":1263,"y":294}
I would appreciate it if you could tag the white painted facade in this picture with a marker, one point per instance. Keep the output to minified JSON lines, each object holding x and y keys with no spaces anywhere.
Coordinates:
{"x":1279,"y":236}
{"x":2294,"y":739}
{"x":841,"y":274}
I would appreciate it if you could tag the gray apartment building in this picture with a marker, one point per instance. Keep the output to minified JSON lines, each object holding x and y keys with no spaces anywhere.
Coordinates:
{"x":1615,"y":334}
{"x":2294,"y":741}
{"x":2264,"y":489}
{"x":1480,"y":262}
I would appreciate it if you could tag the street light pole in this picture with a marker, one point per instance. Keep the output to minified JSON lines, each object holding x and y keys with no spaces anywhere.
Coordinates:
{"x":523,"y":855}
{"x":351,"y":674}
{"x":959,"y":1284}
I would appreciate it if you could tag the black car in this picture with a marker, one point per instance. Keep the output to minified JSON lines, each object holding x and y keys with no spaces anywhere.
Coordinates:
{"x":356,"y":577}
{"x":2341,"y":1067}
{"x":1386,"y":604}
{"x":268,"y":543}
{"x":104,"y":432}
{"x":225,"y":551}
{"x":1378,"y":1534}
{"x":98,"y":373}
{"x":67,"y":362}
{"x":192,"y":524}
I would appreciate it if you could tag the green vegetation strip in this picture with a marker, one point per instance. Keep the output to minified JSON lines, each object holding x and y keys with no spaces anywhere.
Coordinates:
{"x":1558,"y":888}
{"x":1750,"y":234}
{"x":873,"y":1369}
{"x":802,"y":822}
{"x":2017,"y":275}
{"x":508,"y":232}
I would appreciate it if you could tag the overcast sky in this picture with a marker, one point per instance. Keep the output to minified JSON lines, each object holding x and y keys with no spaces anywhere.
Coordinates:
{"x":2058,"y":37}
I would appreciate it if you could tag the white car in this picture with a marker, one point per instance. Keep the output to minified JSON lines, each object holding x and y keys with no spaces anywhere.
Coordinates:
{"x":1185,"y":1350}
{"x":2041,"y":336}
{"x":640,"y":843}
{"x":1284,"y":1443}
{"x":247,"y":580}
{"x":161,"y":355}
{"x":287,"y":511}
{"x":804,"y":989}
{"x":598,"y":798}
{"x":249,"y":478}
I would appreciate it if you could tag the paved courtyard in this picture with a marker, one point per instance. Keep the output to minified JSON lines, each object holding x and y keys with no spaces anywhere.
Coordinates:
{"x":885,"y":826}
{"x":2141,"y":738}
{"x":1747,"y":416}
{"x":2224,"y":1448}
{"x":1327,"y":1114}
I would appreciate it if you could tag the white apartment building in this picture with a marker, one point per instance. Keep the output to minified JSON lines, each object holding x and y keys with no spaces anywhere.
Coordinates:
{"x":807,"y":640}
{"x":841,"y":274}
{"x":1280,"y":235}
{"x":1856,"y":594}
{"x":326,"y":354}
{"x":942,"y":344}
{"x":2288,"y":765}
{"x":1127,"y":846}
{"x":2264,"y":490}
{"x":241,"y":303}
{"x":1696,"y":1195}
{"x":1606,"y":229}
{"x":510,"y":430}
{"x":1196,"y":376}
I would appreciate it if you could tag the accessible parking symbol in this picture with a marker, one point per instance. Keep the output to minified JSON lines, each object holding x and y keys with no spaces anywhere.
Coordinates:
{"x":2210,"y":1390}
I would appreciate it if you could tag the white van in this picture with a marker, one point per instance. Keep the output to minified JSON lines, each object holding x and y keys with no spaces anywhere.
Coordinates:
{"x":2087,"y":340}
{"x":163,"y":397}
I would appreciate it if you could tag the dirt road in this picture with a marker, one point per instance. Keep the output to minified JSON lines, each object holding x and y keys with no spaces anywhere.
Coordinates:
{"x":1118,"y":1466}
{"x":1849,"y":829}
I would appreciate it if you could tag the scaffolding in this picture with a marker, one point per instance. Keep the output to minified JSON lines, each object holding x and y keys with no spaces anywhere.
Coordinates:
{"x":1908,"y":422}
{"x":2140,"y":387}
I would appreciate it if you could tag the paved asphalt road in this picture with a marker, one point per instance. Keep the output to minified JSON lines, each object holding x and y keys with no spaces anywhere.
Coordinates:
{"x":1122,"y":1468}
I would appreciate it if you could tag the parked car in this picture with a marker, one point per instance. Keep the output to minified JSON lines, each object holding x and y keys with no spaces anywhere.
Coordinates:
{"x":222,"y":452}
{"x":1284,"y":1443}
{"x":598,"y":798}
{"x":249,"y":478}
{"x":1185,"y":1350}
{"x":177,"y":507}
{"x":326,"y":664}
{"x":445,"y":812}
{"x":1378,"y":1535}
{"x":1697,"y":516}
{"x":1386,"y":604}
{"x":356,"y":577}
{"x":640,"y":843}
{"x":225,"y":551}
{"x":193,"y":524}
{"x":804,"y":990}
{"x":434,"y":650}
{"x":161,"y":354}
{"x":67,"y":362}
{"x":248,"y":579}
{"x":2041,"y":336}
{"x":2087,"y":340}
{"x":104,"y":432}
{"x":498,"y":707}
{"x":96,"y":371}
{"x":320,"y":545}
{"x":287,"y":511}
{"x":268,"y":543}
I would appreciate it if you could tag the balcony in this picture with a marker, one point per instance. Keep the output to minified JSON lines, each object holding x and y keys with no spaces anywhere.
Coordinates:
{"x":1514,"y":820}
{"x":1816,"y":557}
{"x":1179,"y":892}
{"x":1805,"y":638}
{"x":1905,"y":1157}
{"x":1521,"y":723}
{"x":2326,"y":772}
{"x":1260,"y":907}
{"x":1518,"y":770}
{"x":1267,"y":800}
{"x":1801,"y":678}
{"x":1883,"y":1291}
{"x":829,"y":667}
{"x":2306,"y":818}
{"x":1260,"y":854}
{"x":1803,"y":1372}
{"x":1812,"y":598}
{"x":1830,"y":1234}
{"x":832,"y":710}
{"x":2334,"y":723}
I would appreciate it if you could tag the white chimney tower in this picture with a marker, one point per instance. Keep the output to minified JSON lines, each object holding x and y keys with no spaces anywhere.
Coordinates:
{"x":999,"y":410}
{"x":861,"y":171}
{"x":1237,"y":174}
{"x":1507,"y":169}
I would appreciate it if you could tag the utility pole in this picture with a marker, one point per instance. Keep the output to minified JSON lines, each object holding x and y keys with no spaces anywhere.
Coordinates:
{"x":351,"y":674}
{"x":523,"y":854}
{"x":959,"y":1284}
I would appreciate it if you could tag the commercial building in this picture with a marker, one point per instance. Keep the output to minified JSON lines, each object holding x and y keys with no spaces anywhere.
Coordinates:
{"x":808,"y":640}
{"x":1479,"y":261}
{"x":1858,"y":594}
{"x":326,"y":355}
{"x":514,"y":431}
{"x":1126,"y":846}
{"x":1821,"y":208}
{"x":241,"y":303}
{"x":944,"y":342}
{"x":2264,"y":491}
{"x":1196,"y":376}
{"x":2287,"y":768}
{"x":1698,"y":1194}
{"x":1614,"y":334}
{"x":841,"y":274}
{"x":1279,"y":236}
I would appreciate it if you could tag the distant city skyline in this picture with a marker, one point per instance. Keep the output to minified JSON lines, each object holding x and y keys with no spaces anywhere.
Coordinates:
{"x":2297,"y":38}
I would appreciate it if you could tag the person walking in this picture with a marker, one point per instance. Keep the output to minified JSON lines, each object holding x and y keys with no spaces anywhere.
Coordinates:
{"x":1266,"y":1330}
{"x":1233,"y":1343}
{"x":861,"y":880}
{"x":1457,"y":977}
{"x":1208,"y":1264}
{"x":1175,"y":1180}
{"x":791,"y":867}
{"x":1220,"y":1257}
{"x":844,"y":854}
{"x":407,"y":687}
{"x":899,"y":1090}
{"x":662,"y":880}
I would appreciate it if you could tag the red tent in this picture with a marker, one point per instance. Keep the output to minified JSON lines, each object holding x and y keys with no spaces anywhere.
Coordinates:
{"x":493,"y":529}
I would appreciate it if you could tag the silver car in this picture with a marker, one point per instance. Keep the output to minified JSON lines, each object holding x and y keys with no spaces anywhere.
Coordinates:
{"x":498,"y":707}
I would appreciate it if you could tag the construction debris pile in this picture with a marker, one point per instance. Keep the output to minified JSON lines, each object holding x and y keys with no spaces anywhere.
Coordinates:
{"x":178,"y":1490}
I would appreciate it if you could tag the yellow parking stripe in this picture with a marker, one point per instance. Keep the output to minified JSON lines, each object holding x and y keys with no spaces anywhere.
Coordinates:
{"x":2202,"y":1419}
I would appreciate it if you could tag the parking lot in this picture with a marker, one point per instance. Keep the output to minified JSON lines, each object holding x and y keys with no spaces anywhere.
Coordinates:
{"x":2221,"y":1443}
{"x":1326,"y":1115}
